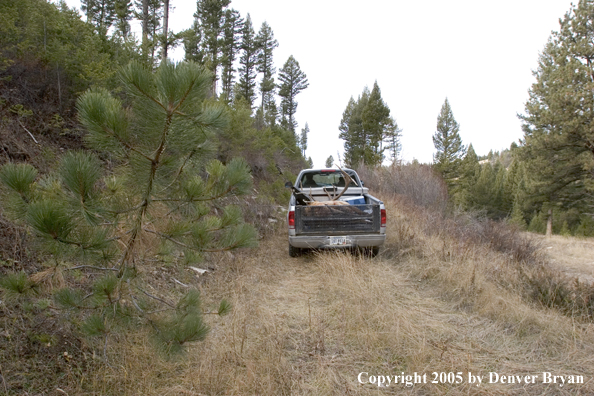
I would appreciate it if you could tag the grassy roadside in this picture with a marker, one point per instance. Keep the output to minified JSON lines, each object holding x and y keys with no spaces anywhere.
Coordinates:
{"x":435,"y":300}
{"x":311,"y":325}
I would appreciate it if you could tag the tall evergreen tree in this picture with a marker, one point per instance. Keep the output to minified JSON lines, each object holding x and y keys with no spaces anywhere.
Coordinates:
{"x":448,"y":144}
{"x":293,"y":81}
{"x":229,"y":48}
{"x":303,"y":139}
{"x":142,"y":14}
{"x":329,"y":162}
{"x":165,"y":43}
{"x":267,"y":43}
{"x":211,"y":18}
{"x":392,"y":139}
{"x":470,"y":170}
{"x":101,"y":13}
{"x":365,"y":126}
{"x":150,"y":13}
{"x":558,"y":144}
{"x":192,"y":42}
{"x":248,"y":63}
{"x":351,"y":130}
{"x":375,"y":120}
{"x":123,"y":16}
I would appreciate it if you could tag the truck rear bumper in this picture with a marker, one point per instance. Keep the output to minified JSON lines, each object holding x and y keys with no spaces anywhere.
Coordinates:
{"x":337,"y":242}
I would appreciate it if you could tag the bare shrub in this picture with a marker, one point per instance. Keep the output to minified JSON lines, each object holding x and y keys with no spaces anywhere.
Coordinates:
{"x":460,"y":238}
{"x":265,"y":215}
{"x":554,"y":290}
{"x":417,"y":182}
{"x":471,"y":228}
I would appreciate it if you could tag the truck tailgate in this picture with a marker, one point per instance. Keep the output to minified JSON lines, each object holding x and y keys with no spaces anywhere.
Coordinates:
{"x":337,"y":220}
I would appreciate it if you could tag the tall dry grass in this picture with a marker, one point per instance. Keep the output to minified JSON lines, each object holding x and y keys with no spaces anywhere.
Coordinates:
{"x":446,"y":294}
{"x":431,"y":302}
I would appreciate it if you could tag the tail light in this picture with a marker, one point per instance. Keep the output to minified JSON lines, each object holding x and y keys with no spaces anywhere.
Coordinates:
{"x":292,"y":219}
{"x":383,"y":217}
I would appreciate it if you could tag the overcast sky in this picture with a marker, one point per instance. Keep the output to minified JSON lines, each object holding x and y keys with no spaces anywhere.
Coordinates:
{"x":480,"y":55}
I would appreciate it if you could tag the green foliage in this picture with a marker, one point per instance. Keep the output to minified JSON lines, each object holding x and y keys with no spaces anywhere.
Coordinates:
{"x":248,"y":63}
{"x":224,"y":308}
{"x":586,"y":227}
{"x":210,"y":16}
{"x":55,"y":36}
{"x":164,"y":186}
{"x":20,"y":178}
{"x":68,"y":298}
{"x":517,"y":217}
{"x":448,"y":143}
{"x":293,"y":81}
{"x":50,"y":219}
{"x":557,"y":147}
{"x":163,"y":173}
{"x":231,"y":44}
{"x":79,"y":172}
{"x":538,"y":223}
{"x":17,"y":285}
{"x":303,"y":139}
{"x":565,"y":231}
{"x":329,"y":162}
{"x":94,"y":326}
{"x":365,"y":126}
{"x":261,"y":150}
{"x":105,"y":288}
{"x":267,"y":43}
{"x":185,"y":325}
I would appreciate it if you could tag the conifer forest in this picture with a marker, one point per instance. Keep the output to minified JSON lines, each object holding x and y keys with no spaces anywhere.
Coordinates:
{"x":121,"y":167}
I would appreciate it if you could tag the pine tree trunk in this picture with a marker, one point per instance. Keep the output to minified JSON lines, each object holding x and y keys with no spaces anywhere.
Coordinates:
{"x":145,"y":17}
{"x":165,"y":28}
{"x":550,"y":222}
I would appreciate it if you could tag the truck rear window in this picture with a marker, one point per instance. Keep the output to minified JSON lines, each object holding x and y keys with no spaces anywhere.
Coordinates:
{"x":325,"y":179}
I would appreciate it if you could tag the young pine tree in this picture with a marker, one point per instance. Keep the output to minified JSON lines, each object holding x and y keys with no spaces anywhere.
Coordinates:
{"x":162,"y":195}
{"x":470,"y":170}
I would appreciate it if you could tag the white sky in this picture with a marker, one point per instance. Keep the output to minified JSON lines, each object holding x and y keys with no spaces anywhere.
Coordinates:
{"x":480,"y":55}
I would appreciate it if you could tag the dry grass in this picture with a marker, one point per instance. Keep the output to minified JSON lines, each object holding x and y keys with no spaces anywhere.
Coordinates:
{"x":572,"y":256}
{"x":308,"y":326}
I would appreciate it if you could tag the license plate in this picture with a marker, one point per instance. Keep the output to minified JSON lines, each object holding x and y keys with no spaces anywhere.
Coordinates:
{"x":338,"y":241}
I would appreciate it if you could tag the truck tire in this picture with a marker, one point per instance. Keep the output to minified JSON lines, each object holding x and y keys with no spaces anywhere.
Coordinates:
{"x":294,"y":251}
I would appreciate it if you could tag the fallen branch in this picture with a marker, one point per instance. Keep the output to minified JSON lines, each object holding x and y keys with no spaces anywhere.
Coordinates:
{"x":26,"y":130}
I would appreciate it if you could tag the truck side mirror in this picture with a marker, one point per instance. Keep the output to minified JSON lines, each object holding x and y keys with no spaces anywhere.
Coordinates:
{"x":362,"y":184}
{"x":288,"y":185}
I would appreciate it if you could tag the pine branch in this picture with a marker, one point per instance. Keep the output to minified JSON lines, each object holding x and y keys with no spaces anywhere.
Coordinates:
{"x":227,"y":191}
{"x":26,"y":130}
{"x":91,"y":267}
{"x":126,"y":144}
{"x":169,"y":238}
{"x":156,"y":298}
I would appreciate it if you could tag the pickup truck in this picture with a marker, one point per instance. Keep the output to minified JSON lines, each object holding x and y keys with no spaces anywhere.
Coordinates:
{"x":331,"y":209}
